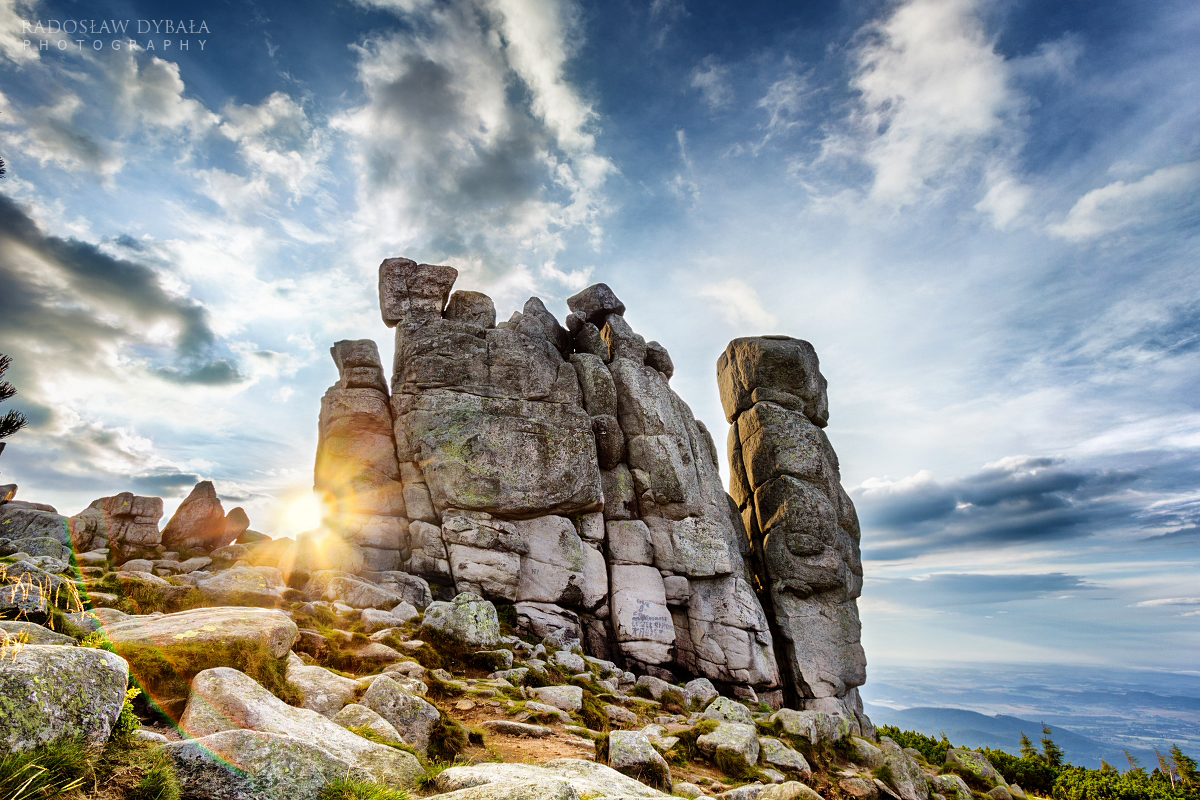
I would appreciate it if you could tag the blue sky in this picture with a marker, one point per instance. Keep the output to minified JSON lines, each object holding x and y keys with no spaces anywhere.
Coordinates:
{"x":983,"y":215}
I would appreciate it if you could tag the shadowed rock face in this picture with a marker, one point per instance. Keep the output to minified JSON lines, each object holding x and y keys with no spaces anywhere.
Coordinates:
{"x":804,"y":532}
{"x":554,"y":468}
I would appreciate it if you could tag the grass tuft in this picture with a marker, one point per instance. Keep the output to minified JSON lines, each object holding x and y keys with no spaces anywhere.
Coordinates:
{"x":343,"y":789}
{"x":165,"y":674}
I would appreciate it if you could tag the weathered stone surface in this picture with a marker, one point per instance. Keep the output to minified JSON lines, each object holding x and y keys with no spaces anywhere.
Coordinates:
{"x":629,"y":752}
{"x":724,"y":709}
{"x":658,"y":358}
{"x":22,"y":521}
{"x":356,"y":468}
{"x":566,"y":698}
{"x":356,"y":715}
{"x":274,"y":629}
{"x":780,"y":755}
{"x":866,"y":753}
{"x":468,"y":619}
{"x":413,"y":717}
{"x":639,"y":608}
{"x":49,"y":692}
{"x":337,"y":587}
{"x":789,"y":790}
{"x":951,"y":787}
{"x":595,"y":303}
{"x":587,"y":778}
{"x":473,"y":308}
{"x":699,"y":693}
{"x":123,"y":523}
{"x":323,"y":691}
{"x":908,"y":779}
{"x":199,"y":522}
{"x":629,"y":542}
{"x":241,"y":586}
{"x":30,"y":633}
{"x":544,"y":619}
{"x":786,"y":370}
{"x":731,"y":742}
{"x":252,"y":765}
{"x":552,"y":569}
{"x":224,"y":699}
{"x":524,"y":730}
{"x":977,"y":763}
{"x":620,"y":501}
{"x":540,"y":789}
{"x":410,"y":292}
{"x":802,"y":525}
{"x":505,"y":456}
{"x":816,"y":726}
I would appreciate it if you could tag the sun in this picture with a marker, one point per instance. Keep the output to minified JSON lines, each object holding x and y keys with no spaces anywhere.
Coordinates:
{"x":301,"y":511}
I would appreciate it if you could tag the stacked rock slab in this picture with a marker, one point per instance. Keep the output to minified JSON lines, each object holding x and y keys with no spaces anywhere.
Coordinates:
{"x":555,"y":469}
{"x":804,"y":532}
{"x":125,"y":523}
{"x":356,"y":467}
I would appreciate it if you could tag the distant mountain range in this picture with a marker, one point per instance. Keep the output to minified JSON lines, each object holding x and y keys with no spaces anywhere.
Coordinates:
{"x":1000,"y":732}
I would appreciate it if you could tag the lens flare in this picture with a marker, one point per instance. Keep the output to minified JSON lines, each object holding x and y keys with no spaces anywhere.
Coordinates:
{"x":301,"y":512}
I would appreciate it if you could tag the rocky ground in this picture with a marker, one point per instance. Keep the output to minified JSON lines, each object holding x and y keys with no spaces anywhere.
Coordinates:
{"x":254,"y":686}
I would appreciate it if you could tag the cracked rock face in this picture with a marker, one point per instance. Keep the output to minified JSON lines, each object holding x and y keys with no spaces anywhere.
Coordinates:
{"x":802,"y":525}
{"x":552,"y":467}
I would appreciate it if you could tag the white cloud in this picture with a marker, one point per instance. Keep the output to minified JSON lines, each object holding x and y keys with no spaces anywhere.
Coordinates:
{"x":12,"y":43}
{"x":738,"y":304}
{"x":1121,"y":205}
{"x":783,"y":102}
{"x":712,"y":81}
{"x":455,"y":164}
{"x":936,"y":108}
{"x":1171,"y":601}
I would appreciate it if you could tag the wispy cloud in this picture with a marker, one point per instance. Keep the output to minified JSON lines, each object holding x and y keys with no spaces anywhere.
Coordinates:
{"x":1168,"y":192}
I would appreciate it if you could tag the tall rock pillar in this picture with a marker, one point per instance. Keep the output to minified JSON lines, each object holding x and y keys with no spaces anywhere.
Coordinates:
{"x":802,"y":525}
{"x":356,"y":465}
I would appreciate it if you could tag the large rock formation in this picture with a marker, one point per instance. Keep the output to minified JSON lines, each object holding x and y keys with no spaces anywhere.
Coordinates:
{"x":784,"y":478}
{"x":126,"y":523}
{"x":553,"y":468}
{"x":356,"y":465}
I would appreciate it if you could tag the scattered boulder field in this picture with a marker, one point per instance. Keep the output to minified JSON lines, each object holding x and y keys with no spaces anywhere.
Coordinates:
{"x":533,"y":586}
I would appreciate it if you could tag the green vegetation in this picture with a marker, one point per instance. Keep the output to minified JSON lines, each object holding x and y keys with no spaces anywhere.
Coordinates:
{"x":593,"y":713}
{"x":50,"y":771}
{"x":124,"y":769}
{"x":165,"y":674}
{"x":342,"y":789}
{"x":12,"y":421}
{"x":685,"y":749}
{"x":1044,"y":772}
{"x":934,"y":750}
{"x":673,"y":702}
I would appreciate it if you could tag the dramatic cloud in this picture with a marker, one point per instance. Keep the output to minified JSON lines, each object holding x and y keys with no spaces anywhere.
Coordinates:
{"x":472,"y":144}
{"x":1017,"y":499}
